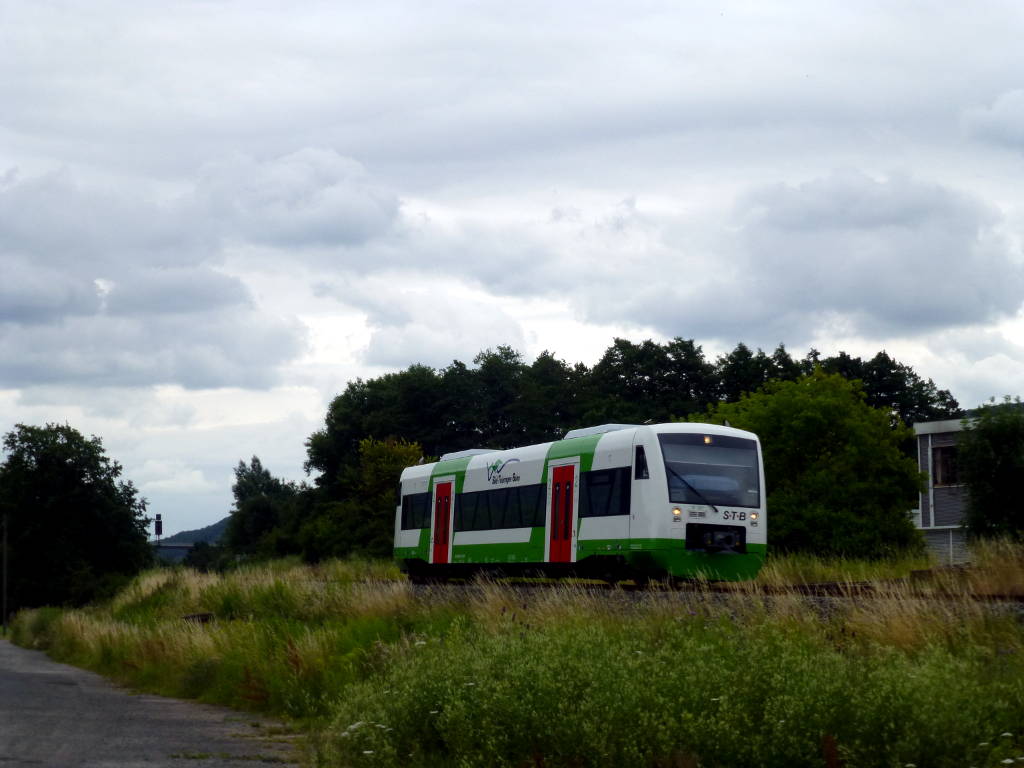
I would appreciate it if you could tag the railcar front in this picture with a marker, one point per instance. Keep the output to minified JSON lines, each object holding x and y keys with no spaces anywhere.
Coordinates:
{"x":699,"y":503}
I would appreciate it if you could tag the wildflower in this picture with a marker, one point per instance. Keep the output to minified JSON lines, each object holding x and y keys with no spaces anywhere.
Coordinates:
{"x":716,"y":698}
{"x":1006,"y":735}
{"x":420,"y":642}
{"x":434,"y":711}
{"x":367,"y":751}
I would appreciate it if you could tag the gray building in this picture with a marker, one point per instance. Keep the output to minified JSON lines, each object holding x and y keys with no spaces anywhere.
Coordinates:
{"x":943,"y":503}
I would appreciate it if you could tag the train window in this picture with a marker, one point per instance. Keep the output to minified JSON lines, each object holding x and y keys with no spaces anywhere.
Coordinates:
{"x":513,"y":510}
{"x":415,"y":511}
{"x":519,"y":507}
{"x":604,"y":492}
{"x":531,"y":505}
{"x":711,"y":469}
{"x":640,"y":465}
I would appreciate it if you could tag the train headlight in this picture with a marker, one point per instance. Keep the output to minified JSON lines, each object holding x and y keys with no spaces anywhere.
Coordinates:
{"x":677,"y":514}
{"x":754,"y":516}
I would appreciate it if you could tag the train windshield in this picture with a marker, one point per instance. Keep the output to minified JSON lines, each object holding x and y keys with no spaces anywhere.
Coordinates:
{"x":711,"y":469}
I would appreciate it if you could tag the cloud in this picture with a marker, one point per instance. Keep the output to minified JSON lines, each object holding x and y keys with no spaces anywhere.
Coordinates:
{"x":173,"y":291}
{"x":432,"y":321}
{"x":234,"y":347}
{"x":31,"y":292}
{"x":309,"y":197}
{"x":89,"y":226}
{"x":1001,"y":123}
{"x":172,"y":477}
{"x":123,"y":286}
{"x":846,"y":251}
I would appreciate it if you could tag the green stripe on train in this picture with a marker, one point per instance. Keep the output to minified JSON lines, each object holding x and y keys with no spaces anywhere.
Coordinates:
{"x":455,"y":467}
{"x":653,"y":556}
{"x":584,"y":447}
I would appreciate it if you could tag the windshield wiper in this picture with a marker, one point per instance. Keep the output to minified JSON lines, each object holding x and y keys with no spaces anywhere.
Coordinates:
{"x":686,"y":482}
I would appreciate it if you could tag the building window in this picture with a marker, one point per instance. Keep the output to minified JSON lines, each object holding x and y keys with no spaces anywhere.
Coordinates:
{"x":944,"y":466}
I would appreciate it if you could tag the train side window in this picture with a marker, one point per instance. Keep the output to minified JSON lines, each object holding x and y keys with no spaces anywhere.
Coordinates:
{"x":415,"y":511}
{"x":534,"y":500}
{"x":514,"y":510}
{"x":604,"y":492}
{"x":640,"y":465}
{"x":499,"y":503}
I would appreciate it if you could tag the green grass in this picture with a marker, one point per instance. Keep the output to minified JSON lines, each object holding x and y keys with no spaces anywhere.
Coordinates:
{"x":378,"y":674}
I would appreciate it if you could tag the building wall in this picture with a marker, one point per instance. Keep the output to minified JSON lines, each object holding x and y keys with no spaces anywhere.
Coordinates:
{"x":942,"y":507}
{"x":949,"y":505}
{"x":947,"y":545}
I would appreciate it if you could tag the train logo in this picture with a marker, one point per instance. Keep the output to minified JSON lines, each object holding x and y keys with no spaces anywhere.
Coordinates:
{"x":495,"y":472}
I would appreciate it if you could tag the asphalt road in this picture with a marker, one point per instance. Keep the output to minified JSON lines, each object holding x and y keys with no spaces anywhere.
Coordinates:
{"x":55,"y":715}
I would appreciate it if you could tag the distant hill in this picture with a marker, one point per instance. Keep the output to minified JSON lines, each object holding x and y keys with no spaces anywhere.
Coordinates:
{"x":210,"y":534}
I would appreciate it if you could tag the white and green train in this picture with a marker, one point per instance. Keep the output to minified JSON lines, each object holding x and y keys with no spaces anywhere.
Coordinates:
{"x":616,"y":502}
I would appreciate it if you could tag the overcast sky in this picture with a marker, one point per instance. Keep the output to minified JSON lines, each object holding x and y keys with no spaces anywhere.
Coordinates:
{"x":213,"y":215}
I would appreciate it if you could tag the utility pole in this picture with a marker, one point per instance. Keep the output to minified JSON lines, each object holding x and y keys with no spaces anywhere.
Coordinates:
{"x":5,"y":575}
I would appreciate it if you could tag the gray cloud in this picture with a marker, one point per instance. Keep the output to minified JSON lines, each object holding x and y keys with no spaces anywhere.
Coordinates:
{"x":894,"y":256}
{"x":309,"y":197}
{"x":31,"y":292}
{"x":1002,"y":122}
{"x":845,"y":252}
{"x":234,"y":347}
{"x":119,"y":286}
{"x":80,"y":226}
{"x":176,"y":291}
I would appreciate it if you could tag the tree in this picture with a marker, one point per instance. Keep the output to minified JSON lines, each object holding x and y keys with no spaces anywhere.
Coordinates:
{"x":893,"y":386}
{"x":261,"y":506}
{"x":990,"y":461}
{"x":364,"y":522}
{"x":548,"y":401}
{"x":630,"y":384}
{"x":837,"y":481}
{"x":743,"y":371}
{"x":76,"y":531}
{"x":691,"y":378}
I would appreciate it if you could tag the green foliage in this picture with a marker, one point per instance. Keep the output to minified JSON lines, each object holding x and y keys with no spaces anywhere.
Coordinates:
{"x":837,"y":481}
{"x":701,"y":690}
{"x":990,"y":457}
{"x":208,"y":557}
{"x":895,"y":387}
{"x":76,"y":531}
{"x":262,"y":506}
{"x":363,"y":523}
{"x":480,"y":676}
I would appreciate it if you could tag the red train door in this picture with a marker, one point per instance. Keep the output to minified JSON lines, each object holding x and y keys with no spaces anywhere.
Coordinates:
{"x":442,"y":521}
{"x":560,"y":535}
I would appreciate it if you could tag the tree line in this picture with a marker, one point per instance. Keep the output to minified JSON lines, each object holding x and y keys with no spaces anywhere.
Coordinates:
{"x":837,"y":449}
{"x":378,"y":426}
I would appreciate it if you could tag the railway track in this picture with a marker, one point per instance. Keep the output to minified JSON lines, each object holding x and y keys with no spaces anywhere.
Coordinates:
{"x":899,"y":588}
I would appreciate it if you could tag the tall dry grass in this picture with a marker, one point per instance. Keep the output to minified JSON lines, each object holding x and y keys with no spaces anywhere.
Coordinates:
{"x":570,"y":675}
